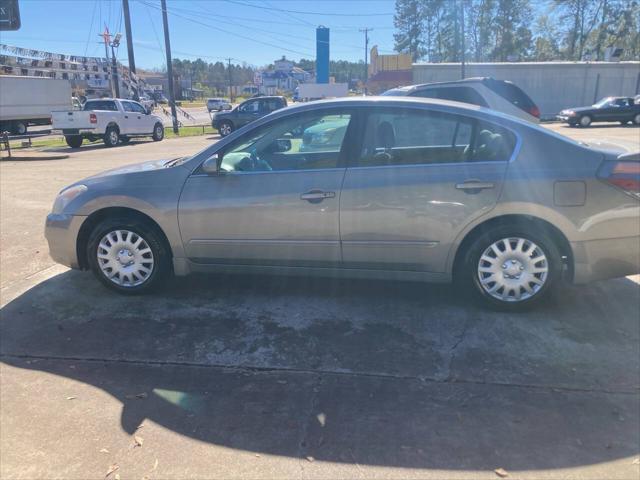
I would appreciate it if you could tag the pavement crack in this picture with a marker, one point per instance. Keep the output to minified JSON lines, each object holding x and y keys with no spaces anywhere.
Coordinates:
{"x":302,"y":371}
{"x":307,"y":419}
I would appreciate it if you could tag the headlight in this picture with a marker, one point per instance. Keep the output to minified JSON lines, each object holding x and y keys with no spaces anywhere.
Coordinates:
{"x":571,"y":113}
{"x":65,"y":197}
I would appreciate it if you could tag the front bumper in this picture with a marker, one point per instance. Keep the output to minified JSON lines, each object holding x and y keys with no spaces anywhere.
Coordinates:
{"x":602,"y":259}
{"x":567,"y":118}
{"x":61,"y":232}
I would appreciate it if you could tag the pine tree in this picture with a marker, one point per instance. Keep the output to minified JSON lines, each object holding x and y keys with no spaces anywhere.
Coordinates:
{"x":409,"y":25}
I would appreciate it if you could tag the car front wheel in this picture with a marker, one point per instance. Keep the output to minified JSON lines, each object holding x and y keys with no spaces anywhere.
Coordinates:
{"x":511,"y":269}
{"x":636,"y":119}
{"x":225,"y":129}
{"x":111,"y":137}
{"x":585,"y":121}
{"x":128,"y":256}
{"x":158,"y":132}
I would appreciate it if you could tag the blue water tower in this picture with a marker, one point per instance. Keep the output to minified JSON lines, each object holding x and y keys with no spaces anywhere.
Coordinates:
{"x":322,"y":55}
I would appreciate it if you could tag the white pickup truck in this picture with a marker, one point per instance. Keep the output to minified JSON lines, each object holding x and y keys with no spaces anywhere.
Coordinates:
{"x":112,"y":119}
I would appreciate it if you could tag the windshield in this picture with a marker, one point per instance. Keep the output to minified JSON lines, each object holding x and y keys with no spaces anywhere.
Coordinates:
{"x":603,"y":103}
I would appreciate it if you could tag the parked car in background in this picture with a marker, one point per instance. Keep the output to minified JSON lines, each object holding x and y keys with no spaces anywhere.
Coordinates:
{"x":411,"y":189}
{"x":610,"y":109}
{"x":147,"y":103}
{"x":247,"y":112}
{"x":500,"y":95}
{"x":159,"y":97}
{"x":28,"y":101}
{"x":112,"y":119}
{"x":217,"y":104}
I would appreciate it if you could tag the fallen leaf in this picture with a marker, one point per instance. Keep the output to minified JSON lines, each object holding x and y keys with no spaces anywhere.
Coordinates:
{"x":155,"y":464}
{"x":140,"y":426}
{"x":501,"y":472}
{"x":139,"y":440}
{"x":117,"y":476}
{"x":104,"y":450}
{"x":310,"y":458}
{"x":636,"y":461}
{"x":257,"y":455}
{"x":112,"y":469}
{"x":71,"y":398}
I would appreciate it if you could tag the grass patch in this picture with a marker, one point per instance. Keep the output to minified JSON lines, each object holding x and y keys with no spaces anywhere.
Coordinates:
{"x":195,"y":104}
{"x":45,"y":142}
{"x":191,"y":131}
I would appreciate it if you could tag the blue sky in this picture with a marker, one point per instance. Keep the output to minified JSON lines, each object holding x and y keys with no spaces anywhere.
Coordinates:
{"x":251,"y":31}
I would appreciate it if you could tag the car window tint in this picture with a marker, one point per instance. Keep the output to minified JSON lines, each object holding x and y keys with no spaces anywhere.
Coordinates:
{"x":136,"y":107}
{"x":270,"y":105}
{"x":512,"y":93}
{"x":415,"y":137}
{"x":127,"y":106}
{"x":105,"y":105}
{"x":457,"y":94}
{"x":299,"y":142}
{"x":250,"y":107}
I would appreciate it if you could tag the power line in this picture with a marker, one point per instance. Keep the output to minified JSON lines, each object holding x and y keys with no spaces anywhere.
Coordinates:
{"x":280,"y":47}
{"x":93,"y":15}
{"x":312,"y":13}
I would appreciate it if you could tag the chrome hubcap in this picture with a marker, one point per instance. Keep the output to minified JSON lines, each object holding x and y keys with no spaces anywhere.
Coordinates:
{"x":125,"y":258}
{"x":513,"y":269}
{"x":158,"y":131}
{"x":113,"y":136}
{"x":225,"y":129}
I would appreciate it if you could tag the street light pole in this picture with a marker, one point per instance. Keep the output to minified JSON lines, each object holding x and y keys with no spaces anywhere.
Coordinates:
{"x":366,"y":56}
{"x":167,"y":44}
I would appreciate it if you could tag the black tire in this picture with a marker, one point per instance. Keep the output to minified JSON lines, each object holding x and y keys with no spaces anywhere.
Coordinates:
{"x":111,"y":137}
{"x":636,"y":119}
{"x":19,"y":128}
{"x":225,"y":128}
{"x":585,"y":121}
{"x":158,"y":132}
{"x":149,"y":233}
{"x":74,"y":141}
{"x":124,"y":139}
{"x":468,"y":274}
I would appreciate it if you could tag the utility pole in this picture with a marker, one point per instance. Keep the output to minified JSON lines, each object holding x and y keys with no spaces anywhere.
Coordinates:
{"x":132,"y":62}
{"x":106,"y":36}
{"x":230,"y":80}
{"x":114,"y":71}
{"x":462,"y":65}
{"x":167,"y":44}
{"x":366,"y":56}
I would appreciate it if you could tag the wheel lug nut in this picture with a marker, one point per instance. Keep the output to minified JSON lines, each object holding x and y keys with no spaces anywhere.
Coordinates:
{"x":513,"y":261}
{"x":521,"y":268}
{"x":504,"y":266}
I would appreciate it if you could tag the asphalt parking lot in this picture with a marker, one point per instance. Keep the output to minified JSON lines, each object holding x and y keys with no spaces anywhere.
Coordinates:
{"x":270,"y":377}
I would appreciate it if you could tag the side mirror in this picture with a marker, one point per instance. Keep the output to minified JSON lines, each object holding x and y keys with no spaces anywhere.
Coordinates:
{"x":210,"y":165}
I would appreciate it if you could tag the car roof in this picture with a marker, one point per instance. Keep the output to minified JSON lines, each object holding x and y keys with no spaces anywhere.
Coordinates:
{"x":448,"y":82}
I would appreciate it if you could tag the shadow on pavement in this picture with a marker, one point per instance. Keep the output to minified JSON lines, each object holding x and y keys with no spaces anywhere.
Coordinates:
{"x":377,"y":373}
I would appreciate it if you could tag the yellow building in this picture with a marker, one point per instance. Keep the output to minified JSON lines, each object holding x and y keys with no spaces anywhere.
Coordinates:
{"x":388,"y":71}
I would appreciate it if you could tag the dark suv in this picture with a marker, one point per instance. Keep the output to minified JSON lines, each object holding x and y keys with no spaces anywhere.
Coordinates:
{"x":246,"y":112}
{"x":500,"y":95}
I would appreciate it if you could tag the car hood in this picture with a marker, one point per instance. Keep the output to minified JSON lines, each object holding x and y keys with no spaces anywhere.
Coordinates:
{"x":580,"y":109}
{"x":140,"y":167}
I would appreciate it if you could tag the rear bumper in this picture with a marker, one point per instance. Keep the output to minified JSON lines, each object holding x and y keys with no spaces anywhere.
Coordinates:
{"x":61,"y":232}
{"x":602,"y":259}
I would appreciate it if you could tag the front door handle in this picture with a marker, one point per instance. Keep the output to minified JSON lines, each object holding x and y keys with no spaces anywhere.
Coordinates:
{"x":474,"y":186}
{"x":316,"y":196}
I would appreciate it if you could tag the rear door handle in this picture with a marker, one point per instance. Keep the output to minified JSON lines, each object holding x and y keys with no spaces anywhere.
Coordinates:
{"x":474,"y":186}
{"x":126,"y":116}
{"x":316,"y":196}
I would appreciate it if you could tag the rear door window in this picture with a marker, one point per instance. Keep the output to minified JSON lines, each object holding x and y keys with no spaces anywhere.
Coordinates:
{"x":106,"y":105}
{"x":420,"y":137}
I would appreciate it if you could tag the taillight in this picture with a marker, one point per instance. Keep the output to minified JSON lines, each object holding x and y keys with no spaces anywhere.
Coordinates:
{"x":535,"y":111}
{"x":93,"y":118}
{"x":624,"y":175}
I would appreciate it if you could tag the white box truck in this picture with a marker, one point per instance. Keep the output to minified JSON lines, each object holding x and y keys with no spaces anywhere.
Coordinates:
{"x":28,"y":101}
{"x":315,"y":91}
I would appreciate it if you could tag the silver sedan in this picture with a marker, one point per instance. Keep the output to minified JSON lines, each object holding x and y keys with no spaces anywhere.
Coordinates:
{"x":393,"y":188}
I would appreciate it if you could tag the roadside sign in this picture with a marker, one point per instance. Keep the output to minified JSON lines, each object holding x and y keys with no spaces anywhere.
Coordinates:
{"x":9,"y":15}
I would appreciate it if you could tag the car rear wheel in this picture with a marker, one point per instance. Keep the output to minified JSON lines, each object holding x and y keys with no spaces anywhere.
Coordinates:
{"x":636,"y":119}
{"x":158,"y":132}
{"x":111,"y":137}
{"x":225,"y":128}
{"x":19,"y":128}
{"x":128,"y":256}
{"x":74,"y":141}
{"x":511,"y":269}
{"x":585,"y":121}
